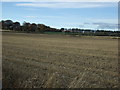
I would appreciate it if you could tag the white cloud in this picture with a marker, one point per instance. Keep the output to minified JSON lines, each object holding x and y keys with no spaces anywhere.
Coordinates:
{"x":95,"y":23}
{"x":106,"y":25}
{"x":66,"y":4}
{"x":60,"y":0}
{"x":115,"y":21}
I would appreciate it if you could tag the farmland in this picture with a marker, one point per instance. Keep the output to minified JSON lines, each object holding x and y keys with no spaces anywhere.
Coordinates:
{"x":59,"y":61}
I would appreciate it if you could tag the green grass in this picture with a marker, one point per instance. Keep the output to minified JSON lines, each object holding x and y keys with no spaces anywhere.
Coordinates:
{"x":59,"y":61}
{"x":53,"y":33}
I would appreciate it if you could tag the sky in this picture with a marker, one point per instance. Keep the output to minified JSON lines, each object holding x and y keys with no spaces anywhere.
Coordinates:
{"x":90,"y":14}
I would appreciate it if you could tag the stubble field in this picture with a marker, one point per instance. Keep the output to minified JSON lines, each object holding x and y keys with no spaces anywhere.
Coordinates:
{"x":59,"y":61}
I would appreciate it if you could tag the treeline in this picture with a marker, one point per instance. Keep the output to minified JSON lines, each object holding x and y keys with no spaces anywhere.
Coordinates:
{"x":26,"y":27}
{"x":41,"y":28}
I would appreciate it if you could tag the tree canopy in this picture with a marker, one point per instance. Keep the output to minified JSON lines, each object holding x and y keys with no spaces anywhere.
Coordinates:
{"x":41,"y":28}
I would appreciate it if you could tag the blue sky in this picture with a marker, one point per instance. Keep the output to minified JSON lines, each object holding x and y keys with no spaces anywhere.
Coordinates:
{"x":88,"y":15}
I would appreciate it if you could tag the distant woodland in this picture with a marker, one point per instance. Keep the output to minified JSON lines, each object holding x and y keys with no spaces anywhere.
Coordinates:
{"x":41,"y":28}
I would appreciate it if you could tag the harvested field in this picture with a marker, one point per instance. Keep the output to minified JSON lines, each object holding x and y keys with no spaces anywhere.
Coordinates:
{"x":59,"y":61}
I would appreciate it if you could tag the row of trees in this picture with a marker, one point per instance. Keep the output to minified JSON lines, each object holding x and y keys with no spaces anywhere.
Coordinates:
{"x":28,"y":27}
{"x":89,"y":32}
